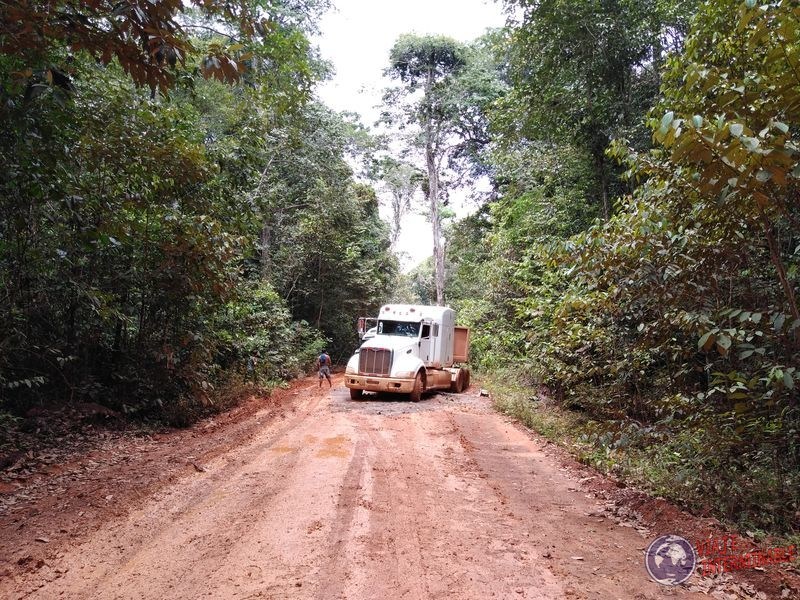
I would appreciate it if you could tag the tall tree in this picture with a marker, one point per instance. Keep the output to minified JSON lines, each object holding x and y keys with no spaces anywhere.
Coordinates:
{"x":446,"y":88}
{"x":427,"y":65}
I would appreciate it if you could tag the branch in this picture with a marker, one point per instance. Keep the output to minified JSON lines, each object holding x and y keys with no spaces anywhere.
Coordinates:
{"x":212,"y":30}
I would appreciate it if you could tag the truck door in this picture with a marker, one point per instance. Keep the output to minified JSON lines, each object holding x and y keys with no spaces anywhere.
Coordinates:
{"x":425,"y":343}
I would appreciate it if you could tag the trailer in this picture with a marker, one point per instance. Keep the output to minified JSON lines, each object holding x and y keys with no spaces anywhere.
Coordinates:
{"x":416,"y":348}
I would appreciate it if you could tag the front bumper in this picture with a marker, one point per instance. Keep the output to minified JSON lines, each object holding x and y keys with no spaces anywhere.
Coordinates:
{"x":378,"y":384}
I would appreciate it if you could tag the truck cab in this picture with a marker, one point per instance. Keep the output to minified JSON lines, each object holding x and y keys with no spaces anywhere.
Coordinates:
{"x":414,"y":349}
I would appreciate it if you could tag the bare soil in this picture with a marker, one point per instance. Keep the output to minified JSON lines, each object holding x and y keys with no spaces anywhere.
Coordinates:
{"x":308,"y":494}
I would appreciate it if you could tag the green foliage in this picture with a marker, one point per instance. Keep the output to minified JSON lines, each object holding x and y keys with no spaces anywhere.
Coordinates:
{"x":151,"y":41}
{"x":584,"y":73}
{"x":671,"y":329}
{"x":322,"y":243}
{"x":156,"y":253}
{"x":259,"y":339}
{"x":416,"y":59}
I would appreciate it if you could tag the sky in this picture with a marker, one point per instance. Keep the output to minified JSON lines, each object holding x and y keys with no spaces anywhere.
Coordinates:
{"x":356,"y":37}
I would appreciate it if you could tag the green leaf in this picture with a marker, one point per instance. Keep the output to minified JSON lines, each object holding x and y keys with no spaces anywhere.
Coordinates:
{"x":788,"y":381}
{"x":737,"y":129}
{"x":750,"y":3}
{"x":706,"y":341}
{"x":723,"y":344}
{"x":666,"y":120}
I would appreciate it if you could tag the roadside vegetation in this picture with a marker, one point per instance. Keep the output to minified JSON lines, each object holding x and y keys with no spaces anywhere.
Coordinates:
{"x":639,"y":263}
{"x":178,"y":214}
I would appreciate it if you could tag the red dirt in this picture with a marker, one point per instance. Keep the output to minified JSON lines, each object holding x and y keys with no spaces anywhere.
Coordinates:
{"x":312,"y":495}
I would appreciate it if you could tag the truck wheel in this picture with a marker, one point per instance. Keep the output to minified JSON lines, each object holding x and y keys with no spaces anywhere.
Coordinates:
{"x":356,"y":394}
{"x":457,"y":386}
{"x":466,"y":380}
{"x":416,"y":393}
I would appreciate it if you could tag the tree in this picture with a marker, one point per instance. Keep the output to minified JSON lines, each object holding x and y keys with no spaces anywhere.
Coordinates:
{"x":326,"y":250}
{"x":133,"y":266}
{"x":586,"y":72}
{"x":151,"y":40}
{"x":447,"y":88}
{"x":428,"y":65}
{"x":730,"y":108}
{"x":673,"y":323}
{"x":402,"y":180}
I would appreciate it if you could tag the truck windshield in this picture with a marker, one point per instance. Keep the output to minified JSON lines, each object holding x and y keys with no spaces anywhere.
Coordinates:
{"x":403,"y":328}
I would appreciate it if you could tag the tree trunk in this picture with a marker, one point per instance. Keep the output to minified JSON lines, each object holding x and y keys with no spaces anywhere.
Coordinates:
{"x":775,"y":255}
{"x":433,"y":198}
{"x":436,"y":221}
{"x":321,"y":289}
{"x":603,"y":177}
{"x":266,"y":243}
{"x":397,"y":216}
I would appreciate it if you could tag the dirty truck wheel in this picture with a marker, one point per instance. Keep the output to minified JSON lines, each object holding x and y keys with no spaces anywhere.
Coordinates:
{"x":416,"y":393}
{"x":466,"y":380}
{"x":457,"y":386}
{"x":356,"y":394}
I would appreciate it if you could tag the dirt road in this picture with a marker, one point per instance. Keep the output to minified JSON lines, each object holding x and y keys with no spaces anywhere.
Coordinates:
{"x":377,"y":499}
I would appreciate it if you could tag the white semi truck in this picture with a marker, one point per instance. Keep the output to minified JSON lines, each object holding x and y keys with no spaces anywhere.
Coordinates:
{"x":415,"y":348}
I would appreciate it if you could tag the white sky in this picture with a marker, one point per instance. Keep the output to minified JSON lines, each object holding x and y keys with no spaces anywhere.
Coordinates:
{"x":356,"y":37}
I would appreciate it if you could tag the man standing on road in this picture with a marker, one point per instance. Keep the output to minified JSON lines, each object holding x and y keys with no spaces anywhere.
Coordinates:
{"x":324,"y":368}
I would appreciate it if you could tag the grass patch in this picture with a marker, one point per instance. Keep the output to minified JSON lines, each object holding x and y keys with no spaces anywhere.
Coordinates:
{"x":516,"y":400}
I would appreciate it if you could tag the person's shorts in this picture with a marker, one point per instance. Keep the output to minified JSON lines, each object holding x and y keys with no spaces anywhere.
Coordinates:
{"x":324,"y":372}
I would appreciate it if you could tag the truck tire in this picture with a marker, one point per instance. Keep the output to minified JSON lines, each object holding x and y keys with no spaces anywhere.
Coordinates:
{"x":356,"y":394}
{"x":419,"y":384}
{"x":457,"y":386}
{"x":466,"y":380}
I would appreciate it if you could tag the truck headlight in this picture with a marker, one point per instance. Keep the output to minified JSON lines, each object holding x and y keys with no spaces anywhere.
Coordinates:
{"x":405,"y":374}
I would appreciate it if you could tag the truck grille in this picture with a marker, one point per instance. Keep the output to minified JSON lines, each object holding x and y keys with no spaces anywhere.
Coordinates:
{"x":375,"y":361}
